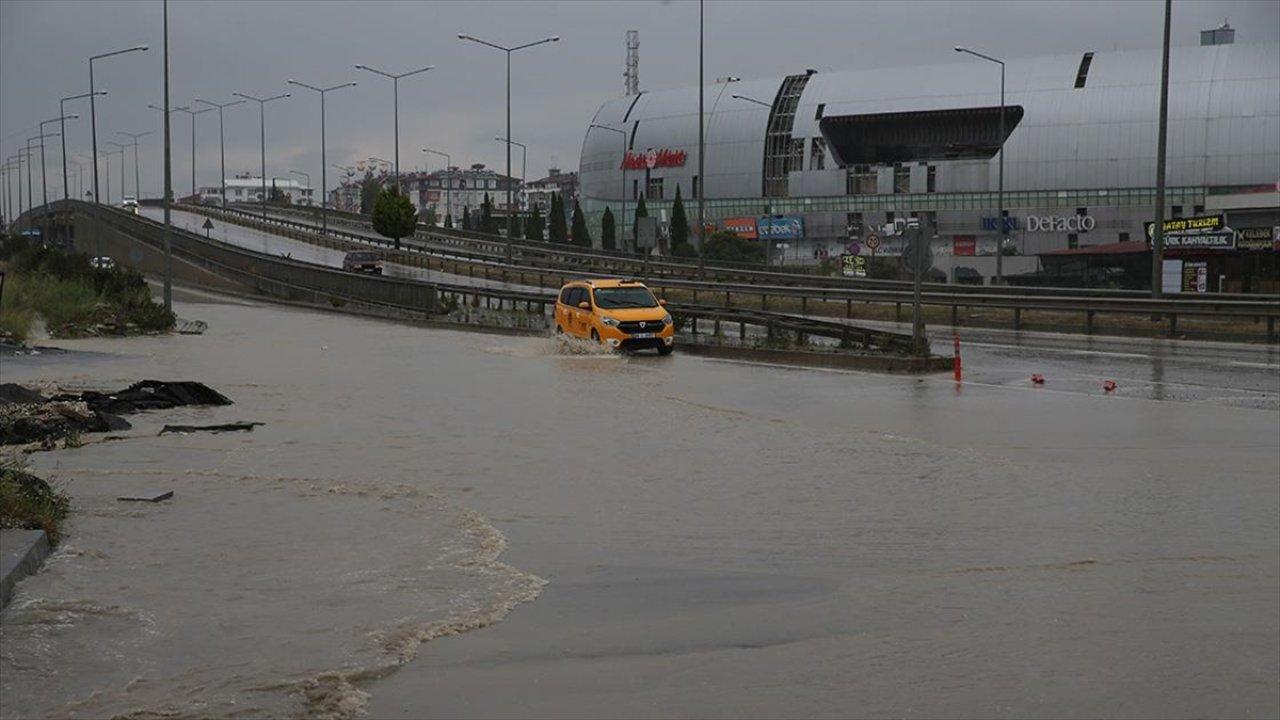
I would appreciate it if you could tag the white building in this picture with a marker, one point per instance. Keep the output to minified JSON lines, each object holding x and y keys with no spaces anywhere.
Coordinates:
{"x":246,"y":188}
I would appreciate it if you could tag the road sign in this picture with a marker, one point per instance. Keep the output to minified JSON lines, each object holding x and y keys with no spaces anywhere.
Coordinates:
{"x":873,"y":242}
{"x":208,"y":224}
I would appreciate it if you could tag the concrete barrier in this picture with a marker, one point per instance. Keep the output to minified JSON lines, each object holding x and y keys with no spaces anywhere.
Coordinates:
{"x":21,"y":554}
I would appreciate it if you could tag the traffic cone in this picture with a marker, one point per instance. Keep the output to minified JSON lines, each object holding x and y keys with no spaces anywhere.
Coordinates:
{"x":1109,"y":385}
{"x":1038,"y":379}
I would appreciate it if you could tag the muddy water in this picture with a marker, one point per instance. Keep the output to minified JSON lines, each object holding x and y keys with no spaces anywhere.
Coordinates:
{"x":718,"y":539}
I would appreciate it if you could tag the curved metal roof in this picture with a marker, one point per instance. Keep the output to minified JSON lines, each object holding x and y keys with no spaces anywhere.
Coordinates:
{"x":1224,"y":129}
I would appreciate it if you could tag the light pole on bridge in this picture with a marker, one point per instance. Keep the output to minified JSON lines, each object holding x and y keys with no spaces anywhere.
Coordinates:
{"x":262,"y":126}
{"x":324,"y":178}
{"x":62,"y":110}
{"x":395,"y":94}
{"x":137,"y":174}
{"x":222,"y":141}
{"x":448,"y":186}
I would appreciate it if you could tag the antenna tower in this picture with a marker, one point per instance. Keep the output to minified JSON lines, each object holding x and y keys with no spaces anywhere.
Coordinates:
{"x":632,"y":73}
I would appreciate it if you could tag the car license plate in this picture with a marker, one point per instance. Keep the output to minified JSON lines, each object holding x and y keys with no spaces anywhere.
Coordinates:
{"x":643,"y":336}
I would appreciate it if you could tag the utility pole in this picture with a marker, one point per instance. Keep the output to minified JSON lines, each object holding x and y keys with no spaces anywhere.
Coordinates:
{"x":324,"y":164}
{"x":137,"y":174}
{"x":702,"y":149}
{"x":168,"y":176}
{"x":222,"y":143}
{"x":262,"y":129}
{"x":1157,"y":229}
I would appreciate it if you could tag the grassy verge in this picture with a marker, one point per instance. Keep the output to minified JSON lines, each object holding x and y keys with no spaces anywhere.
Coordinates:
{"x":28,"y":502}
{"x":71,"y":296}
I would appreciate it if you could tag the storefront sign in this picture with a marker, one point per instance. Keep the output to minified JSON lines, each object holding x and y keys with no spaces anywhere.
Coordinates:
{"x":966,"y":245}
{"x":651,"y":159}
{"x":1195,"y":277}
{"x":853,"y":265}
{"x":1183,"y":226}
{"x":1060,"y":223}
{"x":1257,"y":238}
{"x":743,"y":227}
{"x":1201,"y":241}
{"x":992,"y":224}
{"x":781,"y":227}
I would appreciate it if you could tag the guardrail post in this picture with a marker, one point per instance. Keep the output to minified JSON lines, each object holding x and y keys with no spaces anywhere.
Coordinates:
{"x":955,"y":315}
{"x":848,"y":309}
{"x":1271,"y":329}
{"x":1173,"y":324}
{"x":727,"y":295}
{"x":742,"y":331}
{"x":804,"y":305}
{"x":1017,"y":318}
{"x":897,"y":312}
{"x":1088,"y":322}
{"x":693,"y":326}
{"x":764,"y":301}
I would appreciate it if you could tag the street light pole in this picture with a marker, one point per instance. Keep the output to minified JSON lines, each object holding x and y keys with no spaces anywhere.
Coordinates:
{"x":62,"y":110}
{"x":1157,"y":230}
{"x":93,"y":123}
{"x":137,"y":174}
{"x":395,"y":94}
{"x":324,"y":178}
{"x":44,"y":178}
{"x":193,"y":113}
{"x":122,"y":149}
{"x":312,"y":202}
{"x":40,"y":137}
{"x":222,"y":142}
{"x":622,"y":233}
{"x":702,"y":150}
{"x":524,"y":156}
{"x":508,"y":51}
{"x":448,"y":187}
{"x":262,"y":128}
{"x":1004,"y":225}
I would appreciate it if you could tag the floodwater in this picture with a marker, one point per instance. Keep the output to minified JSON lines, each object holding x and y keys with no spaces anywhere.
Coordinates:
{"x":716,"y":538}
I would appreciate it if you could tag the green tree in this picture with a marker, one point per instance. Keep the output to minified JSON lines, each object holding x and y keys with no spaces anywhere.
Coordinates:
{"x":558,"y":232}
{"x":369,"y":188}
{"x":429,"y":216}
{"x":580,"y":234}
{"x":680,"y":245}
{"x":486,"y":215}
{"x":533,"y":228}
{"x":393,"y":215}
{"x":727,"y":245}
{"x":608,"y":231}
{"x":642,"y":210}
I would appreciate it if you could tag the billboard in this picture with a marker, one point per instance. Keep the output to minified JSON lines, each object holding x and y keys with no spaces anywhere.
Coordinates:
{"x":966,"y":245}
{"x":780,"y":227}
{"x":744,"y":227}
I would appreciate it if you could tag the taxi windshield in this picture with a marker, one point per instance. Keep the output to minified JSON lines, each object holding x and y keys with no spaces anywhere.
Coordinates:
{"x":624,"y":297}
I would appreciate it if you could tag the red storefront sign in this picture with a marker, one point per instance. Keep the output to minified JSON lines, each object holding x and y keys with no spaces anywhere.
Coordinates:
{"x":965,"y":244}
{"x":654,"y":159}
{"x":744,"y":227}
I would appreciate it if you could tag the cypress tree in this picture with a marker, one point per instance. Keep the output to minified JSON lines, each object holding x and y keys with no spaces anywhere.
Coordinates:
{"x":466,"y":217}
{"x":607,"y":231}
{"x":581,"y":235}
{"x":558,"y":232}
{"x":533,"y":229}
{"x":486,"y":215}
{"x":642,"y":210}
{"x":679,"y":225}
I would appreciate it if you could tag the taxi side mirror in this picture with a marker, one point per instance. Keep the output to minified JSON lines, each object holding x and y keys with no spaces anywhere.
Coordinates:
{"x":662,"y":302}
{"x":584,"y":305}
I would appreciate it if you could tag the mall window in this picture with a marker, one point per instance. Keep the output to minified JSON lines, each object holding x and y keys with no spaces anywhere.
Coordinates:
{"x":861,"y":180}
{"x":901,"y":179}
{"x":1073,"y":240}
{"x":818,"y":156}
{"x":889,"y":217}
{"x":654,"y":191}
{"x":853,"y":224}
{"x":635,"y":189}
{"x":1199,"y":209}
{"x":931,"y":179}
{"x":1124,"y":237}
{"x":1082,"y":211}
{"x":694,"y":194}
{"x":1177,"y":211}
{"x":821,"y":107}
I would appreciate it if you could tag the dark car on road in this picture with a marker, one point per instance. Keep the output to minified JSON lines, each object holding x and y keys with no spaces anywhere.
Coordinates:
{"x":362,"y":261}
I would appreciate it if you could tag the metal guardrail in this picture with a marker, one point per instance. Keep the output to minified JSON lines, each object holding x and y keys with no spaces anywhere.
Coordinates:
{"x":1124,"y":303}
{"x":278,"y":276}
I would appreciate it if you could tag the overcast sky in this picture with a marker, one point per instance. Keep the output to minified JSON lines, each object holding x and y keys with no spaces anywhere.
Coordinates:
{"x":252,"y":47}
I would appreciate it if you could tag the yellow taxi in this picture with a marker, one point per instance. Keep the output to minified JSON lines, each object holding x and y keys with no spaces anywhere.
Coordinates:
{"x":621,"y":314}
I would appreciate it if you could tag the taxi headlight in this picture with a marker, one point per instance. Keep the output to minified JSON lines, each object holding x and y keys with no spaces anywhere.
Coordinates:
{"x":666,"y":319}
{"x":611,"y":322}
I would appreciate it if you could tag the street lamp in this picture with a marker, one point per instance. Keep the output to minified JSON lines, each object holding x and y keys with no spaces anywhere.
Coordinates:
{"x":751,"y":100}
{"x":702,"y":150}
{"x":92,"y":114}
{"x":324,"y":179}
{"x":62,"y":110}
{"x":106,"y":155}
{"x":262,"y":125}
{"x":622,"y":221}
{"x":222,"y":141}
{"x":308,"y":177}
{"x":448,"y":185}
{"x":40,"y":137}
{"x":508,"y":51}
{"x":524,"y":151}
{"x":44,"y":179}
{"x":395,"y":93}
{"x":137,"y":174}
{"x":193,"y":113}
{"x":121,"y":149}
{"x":350,"y":170}
{"x":1004,"y":227}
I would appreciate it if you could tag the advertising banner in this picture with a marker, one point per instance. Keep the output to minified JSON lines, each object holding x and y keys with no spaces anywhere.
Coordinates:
{"x":744,"y":227}
{"x":781,"y":227}
{"x":966,"y":245}
{"x":1195,"y":277}
{"x":1257,"y":238}
{"x":1201,"y":241}
{"x":1181,"y":226}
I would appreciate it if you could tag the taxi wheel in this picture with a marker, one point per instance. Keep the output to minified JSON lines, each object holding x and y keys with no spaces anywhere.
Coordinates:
{"x":666,"y":349}
{"x":559,"y":330}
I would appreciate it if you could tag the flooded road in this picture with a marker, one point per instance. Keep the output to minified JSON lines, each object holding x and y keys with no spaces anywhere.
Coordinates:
{"x":717,"y":538}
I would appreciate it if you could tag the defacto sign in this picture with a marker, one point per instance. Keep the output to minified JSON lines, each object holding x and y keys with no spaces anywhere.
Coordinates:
{"x":1060,"y":223}
{"x":652,"y":158}
{"x":781,"y":227}
{"x":744,"y":227}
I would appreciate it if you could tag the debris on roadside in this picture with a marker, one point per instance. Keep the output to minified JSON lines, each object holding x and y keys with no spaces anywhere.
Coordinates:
{"x":148,"y":498}
{"x":239,"y":426}
{"x":190,"y":327}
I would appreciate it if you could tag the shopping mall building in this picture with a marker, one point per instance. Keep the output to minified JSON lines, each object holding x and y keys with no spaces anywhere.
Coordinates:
{"x":817,"y":162}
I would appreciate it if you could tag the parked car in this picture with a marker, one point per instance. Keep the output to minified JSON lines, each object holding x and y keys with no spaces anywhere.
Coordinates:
{"x":362,"y":261}
{"x":130,"y":203}
{"x":103,"y":262}
{"x":622,"y":314}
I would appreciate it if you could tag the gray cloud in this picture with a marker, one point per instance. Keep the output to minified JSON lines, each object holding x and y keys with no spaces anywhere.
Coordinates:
{"x":221,"y":47}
